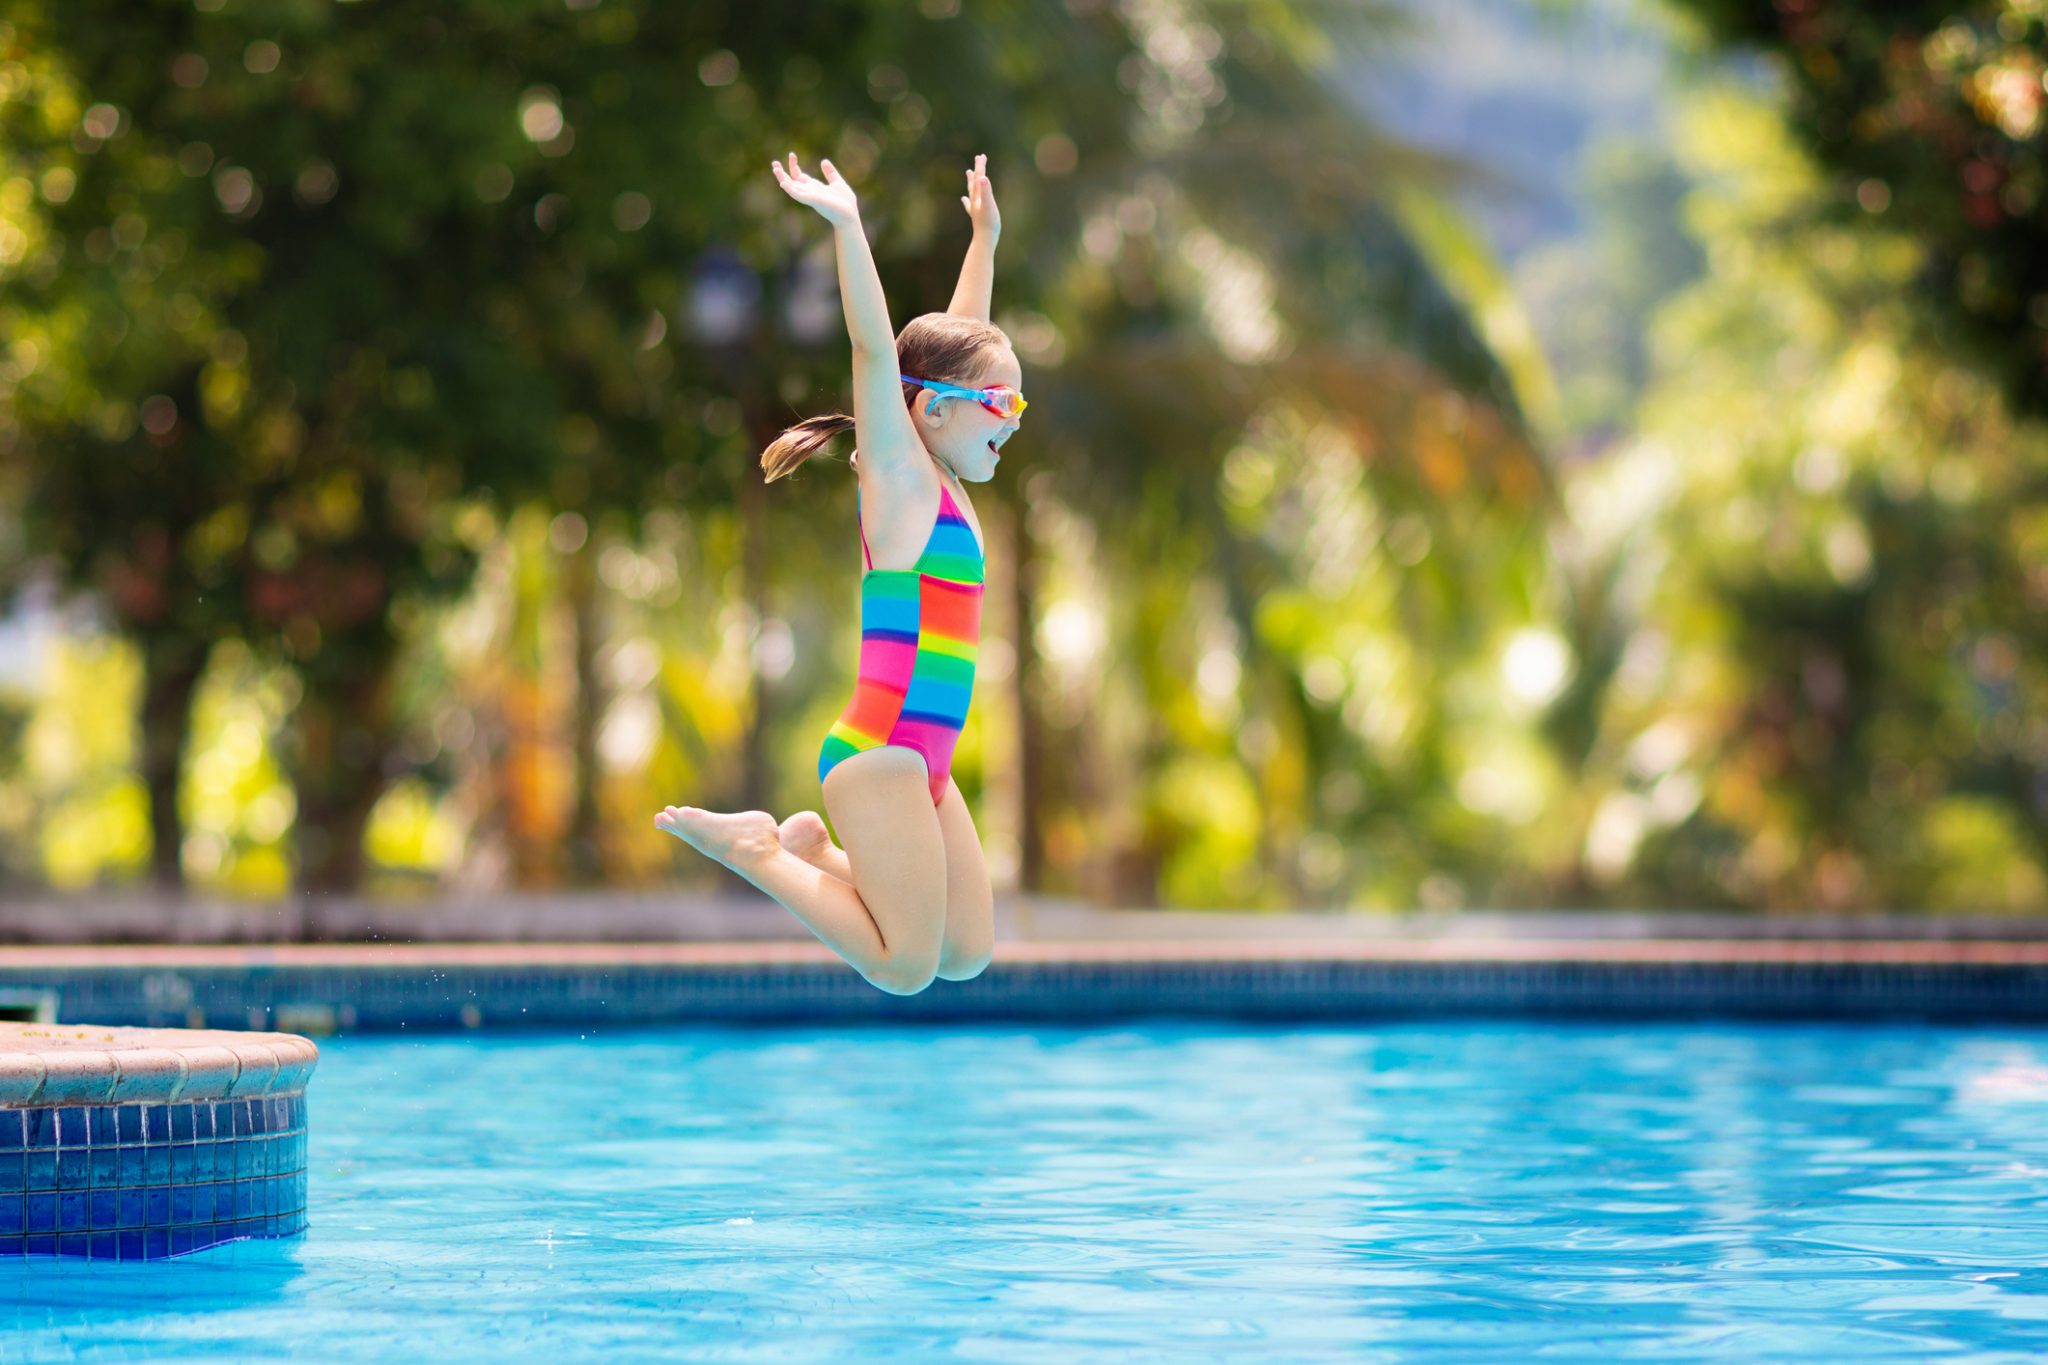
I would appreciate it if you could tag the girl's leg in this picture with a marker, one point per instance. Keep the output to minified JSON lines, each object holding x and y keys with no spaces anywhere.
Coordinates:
{"x":970,"y":935}
{"x":890,"y":922}
{"x":970,"y":938}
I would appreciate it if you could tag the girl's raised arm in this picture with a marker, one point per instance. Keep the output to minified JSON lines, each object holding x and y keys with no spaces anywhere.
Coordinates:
{"x":881,"y":421}
{"x":972,"y":295}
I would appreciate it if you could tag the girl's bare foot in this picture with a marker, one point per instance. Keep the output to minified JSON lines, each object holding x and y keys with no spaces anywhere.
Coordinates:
{"x":741,"y":841}
{"x":805,"y":835}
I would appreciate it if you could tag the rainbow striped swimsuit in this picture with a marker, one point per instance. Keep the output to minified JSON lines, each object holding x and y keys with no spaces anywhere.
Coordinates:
{"x":919,"y":631}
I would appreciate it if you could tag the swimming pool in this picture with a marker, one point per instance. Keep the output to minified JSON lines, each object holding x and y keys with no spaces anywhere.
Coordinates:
{"x":1483,"y":1191}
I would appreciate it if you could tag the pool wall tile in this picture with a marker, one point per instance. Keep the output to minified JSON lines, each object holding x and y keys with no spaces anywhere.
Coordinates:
{"x":353,"y":988}
{"x":205,"y":1192}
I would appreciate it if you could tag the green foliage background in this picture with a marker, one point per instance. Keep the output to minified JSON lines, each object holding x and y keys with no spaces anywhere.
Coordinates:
{"x":356,"y":384}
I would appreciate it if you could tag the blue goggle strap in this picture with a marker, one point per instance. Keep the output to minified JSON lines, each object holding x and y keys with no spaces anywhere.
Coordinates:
{"x":943,"y":390}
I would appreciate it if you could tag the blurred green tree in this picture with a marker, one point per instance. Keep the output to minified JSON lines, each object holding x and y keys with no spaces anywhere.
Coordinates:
{"x":1932,"y":116}
{"x":1828,"y":543}
{"x":294,"y":293}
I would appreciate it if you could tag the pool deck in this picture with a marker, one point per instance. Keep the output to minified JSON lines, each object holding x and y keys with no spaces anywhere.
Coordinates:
{"x":683,"y":956}
{"x":130,"y":916}
{"x":570,"y":961}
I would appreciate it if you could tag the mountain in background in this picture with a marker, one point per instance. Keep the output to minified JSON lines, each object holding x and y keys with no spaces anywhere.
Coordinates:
{"x":1561,"y":114}
{"x":1521,"y":90}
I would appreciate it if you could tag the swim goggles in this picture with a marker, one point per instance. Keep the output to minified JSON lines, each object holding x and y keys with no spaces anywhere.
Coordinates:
{"x":1000,"y":399}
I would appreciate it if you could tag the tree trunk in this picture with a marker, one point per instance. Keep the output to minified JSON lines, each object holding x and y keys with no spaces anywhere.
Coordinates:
{"x":1000,"y":816}
{"x":483,"y":792}
{"x":343,"y":731}
{"x":756,"y":781}
{"x":1030,"y":725}
{"x":585,"y":851}
{"x":172,"y":663}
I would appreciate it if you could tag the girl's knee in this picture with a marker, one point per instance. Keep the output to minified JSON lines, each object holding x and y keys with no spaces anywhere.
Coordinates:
{"x":969,"y":943}
{"x":965,"y":964}
{"x":901,"y":983}
{"x":965,"y":954}
{"x":905,"y":973}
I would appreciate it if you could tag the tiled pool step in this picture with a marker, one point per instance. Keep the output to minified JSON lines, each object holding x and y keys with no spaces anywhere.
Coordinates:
{"x":318,"y":988}
{"x":140,"y":1143}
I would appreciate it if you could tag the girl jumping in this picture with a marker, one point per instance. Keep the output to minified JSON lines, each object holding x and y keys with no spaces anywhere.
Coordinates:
{"x":907,"y":899}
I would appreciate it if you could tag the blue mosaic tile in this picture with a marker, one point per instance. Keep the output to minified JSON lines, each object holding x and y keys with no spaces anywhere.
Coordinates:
{"x":143,"y":1181}
{"x":10,"y":1130}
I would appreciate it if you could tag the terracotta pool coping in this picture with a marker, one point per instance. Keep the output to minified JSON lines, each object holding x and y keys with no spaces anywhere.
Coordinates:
{"x":1975,"y":952}
{"x":53,"y":1064}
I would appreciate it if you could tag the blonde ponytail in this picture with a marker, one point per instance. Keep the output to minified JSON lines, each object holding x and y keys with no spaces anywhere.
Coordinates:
{"x":800,"y":442}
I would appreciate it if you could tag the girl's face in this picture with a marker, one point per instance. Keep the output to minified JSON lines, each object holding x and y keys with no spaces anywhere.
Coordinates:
{"x":965,"y":436}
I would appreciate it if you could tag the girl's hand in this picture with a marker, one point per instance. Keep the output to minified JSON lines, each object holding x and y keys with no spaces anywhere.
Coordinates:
{"x":980,"y":201}
{"x":832,"y":197}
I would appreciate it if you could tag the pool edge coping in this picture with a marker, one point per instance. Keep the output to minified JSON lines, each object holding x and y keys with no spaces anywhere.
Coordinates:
{"x":1046,"y":952}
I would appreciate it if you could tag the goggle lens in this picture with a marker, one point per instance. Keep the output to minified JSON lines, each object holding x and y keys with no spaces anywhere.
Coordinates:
{"x":1003,"y":402}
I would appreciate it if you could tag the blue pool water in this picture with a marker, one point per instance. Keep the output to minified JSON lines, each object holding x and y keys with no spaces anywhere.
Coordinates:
{"x":1486,"y":1192}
